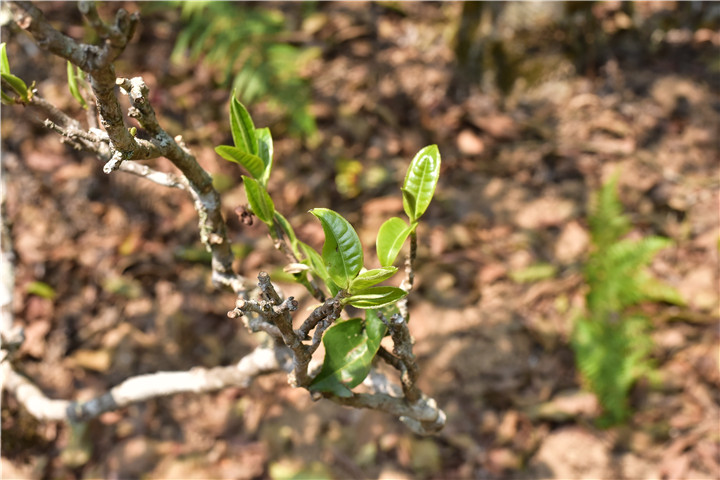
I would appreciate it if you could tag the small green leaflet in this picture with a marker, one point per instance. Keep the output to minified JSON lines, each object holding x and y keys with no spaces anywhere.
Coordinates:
{"x":15,"y":83}
{"x":420,"y":182}
{"x":6,"y":99}
{"x":242,"y":127}
{"x":375,"y":297}
{"x":252,"y":163}
{"x":253,"y":146}
{"x":390,"y":239}
{"x":349,"y":351}
{"x":4,"y":64}
{"x":265,"y":152}
{"x":314,"y":261}
{"x":259,"y":200}
{"x":372,"y":277}
{"x":72,"y":75}
{"x":342,"y":251}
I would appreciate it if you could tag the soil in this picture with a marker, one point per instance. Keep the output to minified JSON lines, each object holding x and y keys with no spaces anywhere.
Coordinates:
{"x":546,"y":104}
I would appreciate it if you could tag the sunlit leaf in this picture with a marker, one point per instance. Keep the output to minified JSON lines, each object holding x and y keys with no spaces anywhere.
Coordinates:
{"x":372,"y":277}
{"x":73,"y":85}
{"x":342,"y":251}
{"x":350,"y":347}
{"x":252,"y":163}
{"x":6,"y":99}
{"x":242,"y":128}
{"x":4,"y":64}
{"x":314,"y":261}
{"x":420,"y":181}
{"x":259,"y":200}
{"x":17,"y":84}
{"x":265,"y":151}
{"x":390,"y":239}
{"x":375,"y":297}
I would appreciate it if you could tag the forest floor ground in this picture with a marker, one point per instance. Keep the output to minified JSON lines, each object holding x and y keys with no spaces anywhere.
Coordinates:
{"x":492,"y":340}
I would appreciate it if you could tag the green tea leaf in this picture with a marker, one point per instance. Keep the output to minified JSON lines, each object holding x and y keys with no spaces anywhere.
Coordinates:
{"x":73,"y":85}
{"x":259,"y":200}
{"x":242,"y":128}
{"x":372,"y":277}
{"x":317,"y":266}
{"x":265,"y":151}
{"x":409,"y":202}
{"x":17,"y":84}
{"x":374,"y":328}
{"x":390,"y":239}
{"x":314,"y":261}
{"x":375,"y":297}
{"x":349,"y":351}
{"x":252,"y":163}
{"x":420,"y":182}
{"x":342,"y":251}
{"x":4,"y":64}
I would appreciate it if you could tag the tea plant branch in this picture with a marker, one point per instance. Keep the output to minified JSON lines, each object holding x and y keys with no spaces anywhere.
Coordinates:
{"x":213,"y":231}
{"x":340,"y":266}
{"x":409,"y":280}
{"x":61,"y":117}
{"x":95,"y":142}
{"x":11,"y":336}
{"x":145,"y":387}
{"x":415,"y":409}
{"x":422,"y":417}
{"x":97,"y":61}
{"x":275,"y":319}
{"x":402,"y":348}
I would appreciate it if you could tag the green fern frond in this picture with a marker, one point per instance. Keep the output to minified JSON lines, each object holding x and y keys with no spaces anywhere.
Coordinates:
{"x":607,"y":222}
{"x":243,"y":45}
{"x":612,"y":348}
{"x":656,"y":291}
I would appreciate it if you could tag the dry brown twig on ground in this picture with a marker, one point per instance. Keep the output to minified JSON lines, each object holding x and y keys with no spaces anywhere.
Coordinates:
{"x":120,"y":150}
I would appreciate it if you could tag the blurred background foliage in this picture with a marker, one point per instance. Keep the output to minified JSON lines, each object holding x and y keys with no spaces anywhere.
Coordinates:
{"x":251,"y":51}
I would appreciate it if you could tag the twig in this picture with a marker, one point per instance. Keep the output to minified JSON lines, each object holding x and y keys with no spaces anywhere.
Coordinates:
{"x":409,"y":280}
{"x":11,"y":337}
{"x":89,"y":10}
{"x":422,"y":417}
{"x":276,"y":312}
{"x":97,"y":62}
{"x":99,"y":145}
{"x":402,"y":348}
{"x":145,"y":387}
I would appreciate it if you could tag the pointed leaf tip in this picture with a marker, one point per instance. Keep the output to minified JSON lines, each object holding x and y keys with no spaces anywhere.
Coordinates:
{"x":420,"y":182}
{"x":242,"y":127}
